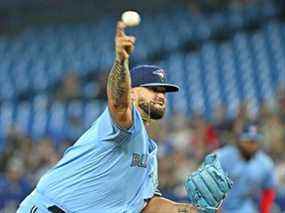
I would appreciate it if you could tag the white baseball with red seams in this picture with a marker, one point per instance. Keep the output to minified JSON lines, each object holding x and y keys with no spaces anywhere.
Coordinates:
{"x":131,"y":18}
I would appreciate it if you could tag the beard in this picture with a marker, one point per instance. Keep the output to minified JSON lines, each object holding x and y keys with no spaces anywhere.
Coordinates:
{"x":151,"y":110}
{"x":246,"y":154}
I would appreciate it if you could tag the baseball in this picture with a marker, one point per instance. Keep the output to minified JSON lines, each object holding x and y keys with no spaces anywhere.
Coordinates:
{"x":131,"y":18}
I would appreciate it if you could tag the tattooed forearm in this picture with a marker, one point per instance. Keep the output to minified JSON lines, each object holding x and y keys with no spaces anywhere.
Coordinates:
{"x":183,"y":210}
{"x":119,"y":85}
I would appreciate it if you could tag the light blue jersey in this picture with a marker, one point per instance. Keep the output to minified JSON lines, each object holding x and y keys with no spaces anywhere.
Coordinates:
{"x":108,"y":170}
{"x":249,"y":177}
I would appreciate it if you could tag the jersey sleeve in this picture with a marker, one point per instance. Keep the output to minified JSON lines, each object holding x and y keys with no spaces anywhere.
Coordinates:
{"x":270,"y":179}
{"x":110,"y":131}
{"x":222,"y":156}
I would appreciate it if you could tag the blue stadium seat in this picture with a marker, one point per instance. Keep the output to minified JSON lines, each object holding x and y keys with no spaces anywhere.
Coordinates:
{"x":248,"y":66}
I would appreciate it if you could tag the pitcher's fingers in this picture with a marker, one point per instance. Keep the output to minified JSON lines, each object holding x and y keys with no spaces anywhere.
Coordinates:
{"x":125,"y":44}
{"x":120,"y":28}
{"x":125,"y":39}
{"x":131,"y":39}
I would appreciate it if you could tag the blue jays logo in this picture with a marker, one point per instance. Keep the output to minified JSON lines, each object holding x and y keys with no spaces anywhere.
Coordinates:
{"x":253,"y":130}
{"x":160,"y":73}
{"x":139,"y":160}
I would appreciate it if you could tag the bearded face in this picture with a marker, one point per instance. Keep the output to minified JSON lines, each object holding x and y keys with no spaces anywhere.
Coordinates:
{"x":248,"y":149}
{"x":154,"y":110}
{"x":152,"y":102}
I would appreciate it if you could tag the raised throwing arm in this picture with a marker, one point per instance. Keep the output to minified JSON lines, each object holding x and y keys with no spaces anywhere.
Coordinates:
{"x":119,"y":81}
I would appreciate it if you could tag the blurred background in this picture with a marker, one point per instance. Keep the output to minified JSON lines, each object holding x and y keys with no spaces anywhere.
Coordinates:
{"x":228,"y":56}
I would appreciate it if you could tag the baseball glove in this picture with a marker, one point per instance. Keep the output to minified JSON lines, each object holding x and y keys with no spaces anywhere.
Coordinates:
{"x":207,"y":187}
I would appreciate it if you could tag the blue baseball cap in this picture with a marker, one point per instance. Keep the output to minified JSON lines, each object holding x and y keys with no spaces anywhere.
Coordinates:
{"x":250,"y":133}
{"x":151,"y":76}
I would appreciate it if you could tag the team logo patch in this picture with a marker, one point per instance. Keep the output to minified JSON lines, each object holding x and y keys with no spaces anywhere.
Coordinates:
{"x":139,"y":160}
{"x":160,"y":73}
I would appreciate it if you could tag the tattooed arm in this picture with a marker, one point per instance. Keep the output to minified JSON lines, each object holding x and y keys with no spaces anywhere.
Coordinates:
{"x":162,"y":205}
{"x":119,"y":81}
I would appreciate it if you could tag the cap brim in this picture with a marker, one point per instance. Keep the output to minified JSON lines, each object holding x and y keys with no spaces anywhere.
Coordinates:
{"x":168,"y":87}
{"x":249,"y":137}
